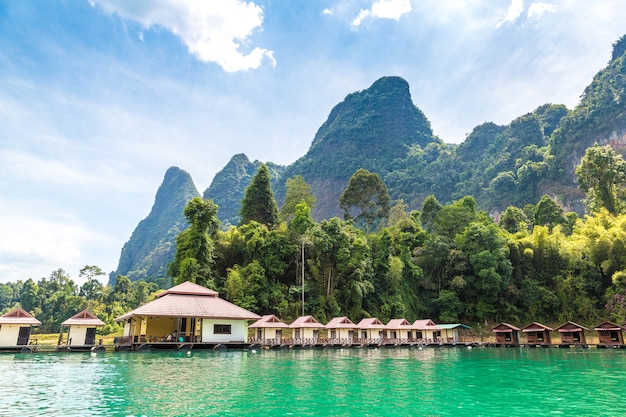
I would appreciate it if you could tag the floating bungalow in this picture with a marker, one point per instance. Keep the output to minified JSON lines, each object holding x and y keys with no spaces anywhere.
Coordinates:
{"x":506,"y":334}
{"x":185,"y":315}
{"x":610,"y":334}
{"x":305,"y":330}
{"x":371,"y":330}
{"x":537,"y":334}
{"x":81,"y":332}
{"x":341,"y":330}
{"x":268,"y":330}
{"x":451,"y":333}
{"x":426,"y":330}
{"x":15,"y":327}
{"x":400,"y":331}
{"x":572,"y":334}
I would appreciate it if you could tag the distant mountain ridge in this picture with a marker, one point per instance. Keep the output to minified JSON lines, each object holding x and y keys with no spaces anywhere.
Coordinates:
{"x":381,"y":130}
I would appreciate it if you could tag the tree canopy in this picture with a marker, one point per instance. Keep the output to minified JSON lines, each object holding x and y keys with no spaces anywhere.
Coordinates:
{"x":258,"y":203}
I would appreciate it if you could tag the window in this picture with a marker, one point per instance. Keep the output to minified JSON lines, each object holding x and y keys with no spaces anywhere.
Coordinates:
{"x":221,"y":329}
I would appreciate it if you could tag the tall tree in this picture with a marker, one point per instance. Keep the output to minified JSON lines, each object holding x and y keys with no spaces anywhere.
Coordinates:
{"x":297,"y":191}
{"x":601,"y":175}
{"x":194,"y":247}
{"x":258,"y":203}
{"x":366,"y":193}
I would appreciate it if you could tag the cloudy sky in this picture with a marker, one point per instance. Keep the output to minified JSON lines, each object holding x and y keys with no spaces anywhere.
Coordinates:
{"x":98,"y":98}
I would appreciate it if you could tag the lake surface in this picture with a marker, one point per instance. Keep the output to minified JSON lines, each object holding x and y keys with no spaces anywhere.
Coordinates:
{"x":329,"y":382}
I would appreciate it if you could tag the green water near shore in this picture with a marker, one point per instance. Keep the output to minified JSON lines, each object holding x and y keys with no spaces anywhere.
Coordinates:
{"x":347,"y":382}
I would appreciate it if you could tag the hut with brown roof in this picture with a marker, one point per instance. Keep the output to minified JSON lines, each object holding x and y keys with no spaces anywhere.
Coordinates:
{"x":506,"y":334}
{"x":341,"y":330}
{"x":537,"y":334}
{"x":268,"y":330}
{"x":186,"y":314}
{"x":305,"y":330}
{"x":610,"y":334}
{"x":372,"y":330}
{"x":81,"y":331}
{"x":572,"y":334}
{"x":15,"y":327}
{"x":400,"y":331}
{"x":427,"y":331}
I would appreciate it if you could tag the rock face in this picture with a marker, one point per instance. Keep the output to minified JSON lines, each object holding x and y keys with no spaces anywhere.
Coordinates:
{"x":152,"y":245}
{"x":369,"y":129}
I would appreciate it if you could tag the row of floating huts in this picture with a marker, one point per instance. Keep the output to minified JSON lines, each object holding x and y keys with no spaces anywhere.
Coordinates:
{"x":191,"y":316}
{"x":571,"y":334}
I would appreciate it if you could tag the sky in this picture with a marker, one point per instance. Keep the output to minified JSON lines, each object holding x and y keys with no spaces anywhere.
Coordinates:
{"x":98,"y":98}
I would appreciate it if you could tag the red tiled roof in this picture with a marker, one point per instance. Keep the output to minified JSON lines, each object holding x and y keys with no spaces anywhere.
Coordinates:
{"x":370,"y":323}
{"x":84,"y":318}
{"x":505,"y":328}
{"x":425,"y":324}
{"x":19,"y":316}
{"x":570,"y":326}
{"x":607,"y":325}
{"x":399,"y":324}
{"x":341,"y":323}
{"x":268,"y":320}
{"x":536,"y":327}
{"x":199,"y":303}
{"x":306,"y":322}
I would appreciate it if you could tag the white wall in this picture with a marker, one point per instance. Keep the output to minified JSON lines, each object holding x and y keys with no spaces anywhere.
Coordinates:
{"x":77,"y":334}
{"x":238,"y":328}
{"x":9,"y":333}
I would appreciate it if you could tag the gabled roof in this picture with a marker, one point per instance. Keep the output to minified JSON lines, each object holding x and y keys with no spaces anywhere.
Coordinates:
{"x":536,"y":327}
{"x":269,"y":320}
{"x":190,"y":300}
{"x":607,"y":325}
{"x":340,"y":323}
{"x":19,"y":316}
{"x":505,"y":328}
{"x":570,"y":326}
{"x":84,"y":318}
{"x":306,"y":322}
{"x":425,"y":324}
{"x":399,"y":324}
{"x":370,"y":323}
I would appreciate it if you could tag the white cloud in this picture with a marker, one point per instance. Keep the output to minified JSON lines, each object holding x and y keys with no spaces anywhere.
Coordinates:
{"x":515,"y":10}
{"x":384,"y":9}
{"x":214,"y":31}
{"x":538,"y":9}
{"x":327,"y":12}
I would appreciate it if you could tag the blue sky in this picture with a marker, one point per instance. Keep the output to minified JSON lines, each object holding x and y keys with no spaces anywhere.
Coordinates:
{"x":99,"y":98}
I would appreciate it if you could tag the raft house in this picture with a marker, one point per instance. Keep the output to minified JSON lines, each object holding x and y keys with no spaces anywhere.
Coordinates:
{"x":81,"y":333}
{"x":268,"y":330}
{"x":305,"y":331}
{"x":572,"y":334}
{"x":15,"y":327}
{"x":399,"y":331}
{"x":506,"y":334}
{"x":372,"y":331}
{"x":537,"y":334}
{"x":610,"y":335}
{"x":427,"y":331}
{"x":185,"y":316}
{"x":341,"y":330}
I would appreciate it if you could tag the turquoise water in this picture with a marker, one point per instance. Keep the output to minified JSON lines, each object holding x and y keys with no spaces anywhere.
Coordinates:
{"x":348,"y":382}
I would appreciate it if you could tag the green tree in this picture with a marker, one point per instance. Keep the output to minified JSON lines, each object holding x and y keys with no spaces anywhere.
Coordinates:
{"x":601,"y":174}
{"x":548,"y":213}
{"x":430,"y":209}
{"x":193,"y":260}
{"x":258,"y":203}
{"x":297,"y":191}
{"x":513,"y":220}
{"x":366,"y":193}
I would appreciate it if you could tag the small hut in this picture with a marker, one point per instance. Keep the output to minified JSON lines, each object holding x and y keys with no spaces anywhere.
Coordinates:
{"x":306,"y":330}
{"x":400,"y":330}
{"x":506,"y":334}
{"x":372,"y":329}
{"x":81,"y":331}
{"x":268,"y":330}
{"x":451,"y":333}
{"x":15,"y":327}
{"x":610,"y":334}
{"x":426,"y":330}
{"x":341,"y":330}
{"x":572,"y":334}
{"x":537,"y":334}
